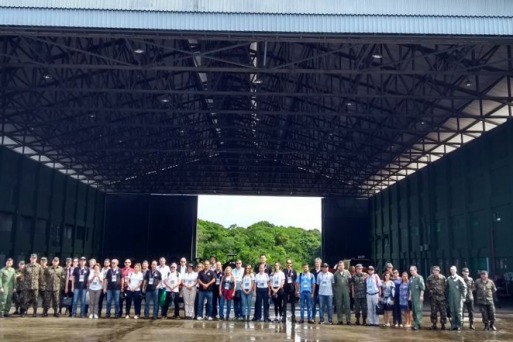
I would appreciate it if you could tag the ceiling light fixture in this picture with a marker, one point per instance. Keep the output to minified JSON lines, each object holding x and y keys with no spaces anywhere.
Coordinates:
{"x":377,"y":56}
{"x":468,"y":83}
{"x":139,"y":51}
{"x":47,"y":76}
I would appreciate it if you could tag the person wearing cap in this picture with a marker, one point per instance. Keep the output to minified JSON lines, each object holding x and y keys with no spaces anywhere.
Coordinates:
{"x":189,"y":281}
{"x":373,"y":285}
{"x":469,"y":299}
{"x":7,"y":285}
{"x":53,"y":278}
{"x":342,"y":292}
{"x":150,"y":284}
{"x":389,"y":268}
{"x":436,"y":285}
{"x":32,"y":275}
{"x":112,"y":288}
{"x":457,"y":292}
{"x":417,"y":288}
{"x":325,"y":281}
{"x":18,"y":295}
{"x":359,"y":292}
{"x":486,"y":294}
{"x":79,"y":287}
{"x":42,"y":285}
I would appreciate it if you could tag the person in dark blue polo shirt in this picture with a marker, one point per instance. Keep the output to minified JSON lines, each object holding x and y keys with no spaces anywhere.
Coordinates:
{"x":152,"y":279}
{"x":206,"y":281}
{"x":79,"y":287}
{"x":112,"y":287}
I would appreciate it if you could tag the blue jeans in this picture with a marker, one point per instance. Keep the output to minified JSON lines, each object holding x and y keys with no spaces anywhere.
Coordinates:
{"x":113,"y":294}
{"x":79,"y":295}
{"x":151,"y":296}
{"x":246,"y":303}
{"x":315,"y":302}
{"x":306,"y":301}
{"x":228,"y":307}
{"x":201,"y":301}
{"x":325,"y":301}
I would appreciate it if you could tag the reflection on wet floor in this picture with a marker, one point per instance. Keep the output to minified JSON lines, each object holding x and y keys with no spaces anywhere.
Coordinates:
{"x":85,"y":330}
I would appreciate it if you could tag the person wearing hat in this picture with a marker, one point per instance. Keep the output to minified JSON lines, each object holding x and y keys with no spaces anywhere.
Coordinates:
{"x":436,"y":284}
{"x":53,"y":279}
{"x":79,"y":287}
{"x":18,"y":295}
{"x":42,"y":284}
{"x":469,"y":299}
{"x":325,"y":281}
{"x":457,"y":292}
{"x":417,"y":288}
{"x":486,"y":293}
{"x":32,"y":275}
{"x":359,"y":292}
{"x":341,"y":289}
{"x":389,"y":268}
{"x":373,"y":294}
{"x":7,"y":285}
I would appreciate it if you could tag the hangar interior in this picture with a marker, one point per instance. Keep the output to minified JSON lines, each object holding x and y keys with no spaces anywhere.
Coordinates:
{"x":102,"y":131}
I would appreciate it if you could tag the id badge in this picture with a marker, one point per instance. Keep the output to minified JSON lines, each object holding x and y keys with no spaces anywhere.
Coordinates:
{"x":218,"y":281}
{"x":114,"y":278}
{"x":226,"y":286}
{"x":261,"y":284}
{"x":81,"y":278}
{"x":246,"y":285}
{"x":324,"y":283}
{"x":276,"y":283}
{"x":172,"y":283}
{"x":289,"y":280}
{"x":151,"y":281}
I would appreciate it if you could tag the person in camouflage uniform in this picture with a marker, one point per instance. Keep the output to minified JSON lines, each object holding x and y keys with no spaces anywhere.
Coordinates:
{"x":32,"y":274}
{"x":469,"y":299}
{"x":53,"y":278}
{"x":18,"y":296}
{"x":42,"y":283}
{"x":359,"y":292}
{"x":457,"y":292}
{"x":436,"y":284}
{"x":485,"y":295}
{"x":7,"y":285}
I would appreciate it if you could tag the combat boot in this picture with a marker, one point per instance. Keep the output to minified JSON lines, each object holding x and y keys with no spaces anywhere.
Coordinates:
{"x":364,"y":321}
{"x":45,"y":313}
{"x":357,"y":321}
{"x":492,"y":327}
{"x":471,"y":325}
{"x":486,"y":327}
{"x":433,"y":326}
{"x":443,"y":327}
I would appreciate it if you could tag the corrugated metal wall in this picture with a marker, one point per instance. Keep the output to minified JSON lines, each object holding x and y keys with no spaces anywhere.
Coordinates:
{"x":456,"y":211}
{"x":45,"y":211}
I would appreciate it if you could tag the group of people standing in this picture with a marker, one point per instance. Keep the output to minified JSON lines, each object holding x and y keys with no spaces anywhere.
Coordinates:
{"x":208,"y":291}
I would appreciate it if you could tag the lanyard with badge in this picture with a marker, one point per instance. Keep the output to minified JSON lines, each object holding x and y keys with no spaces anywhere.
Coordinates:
{"x":247,"y":282}
{"x":261,"y":281}
{"x":81,"y":276}
{"x":114,"y":277}
{"x":289,"y":277}
{"x":324,"y":281}
{"x":152,"y":276}
{"x":276,"y":280}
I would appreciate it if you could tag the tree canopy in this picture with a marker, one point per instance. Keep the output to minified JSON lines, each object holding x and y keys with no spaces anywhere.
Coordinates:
{"x":278,"y":243}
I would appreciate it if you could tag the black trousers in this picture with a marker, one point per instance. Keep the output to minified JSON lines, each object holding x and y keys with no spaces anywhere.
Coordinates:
{"x":278,"y":303}
{"x":215,"y":301}
{"x":171,"y":297}
{"x":469,"y":306}
{"x":289,"y":297}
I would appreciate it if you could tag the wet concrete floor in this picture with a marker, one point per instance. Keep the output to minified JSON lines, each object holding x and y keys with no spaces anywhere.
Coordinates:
{"x":102,"y":330}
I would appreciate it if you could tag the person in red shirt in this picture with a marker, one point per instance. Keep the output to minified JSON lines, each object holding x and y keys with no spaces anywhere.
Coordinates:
{"x":125,"y":275}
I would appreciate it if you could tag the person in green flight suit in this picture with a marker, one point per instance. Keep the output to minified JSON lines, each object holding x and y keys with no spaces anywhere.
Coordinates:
{"x":457,"y":291}
{"x":7,"y":285}
{"x":341,"y":289}
{"x":417,"y":288}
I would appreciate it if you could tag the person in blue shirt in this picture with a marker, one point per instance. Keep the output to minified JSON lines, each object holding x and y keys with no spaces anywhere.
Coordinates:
{"x":325,"y":281}
{"x":305,"y":289}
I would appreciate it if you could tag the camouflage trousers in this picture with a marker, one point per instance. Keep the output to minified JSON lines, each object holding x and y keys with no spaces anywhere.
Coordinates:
{"x":469,"y":306}
{"x":487,"y":312}
{"x":42,"y":294}
{"x":438,"y":305}
{"x":360,"y":307}
{"x":51,"y":298}
{"x":18,"y":300}
{"x":30,"y":299}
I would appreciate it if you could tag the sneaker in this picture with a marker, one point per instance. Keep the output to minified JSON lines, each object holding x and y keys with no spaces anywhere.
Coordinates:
{"x":127,"y":317}
{"x":136,"y":317}
{"x":199,"y":318}
{"x":95,"y":316}
{"x":91,"y":316}
{"x":387,"y":325}
{"x":210,"y":318}
{"x":396,"y":325}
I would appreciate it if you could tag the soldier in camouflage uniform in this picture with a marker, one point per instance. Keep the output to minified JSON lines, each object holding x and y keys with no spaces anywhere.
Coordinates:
{"x":42,"y":283}
{"x":18,"y":297}
{"x":53,"y":278}
{"x":32,"y":274}
{"x":469,"y":300}
{"x":7,"y":285}
{"x":359,"y":292}
{"x":485,"y":295}
{"x":436,"y":284}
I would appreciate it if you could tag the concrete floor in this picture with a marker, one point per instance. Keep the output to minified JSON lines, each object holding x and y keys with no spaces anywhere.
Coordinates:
{"x":103,"y":330}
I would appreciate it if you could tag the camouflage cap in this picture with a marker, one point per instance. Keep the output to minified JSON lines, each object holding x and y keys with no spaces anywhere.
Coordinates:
{"x":325,"y":265}
{"x":83,"y":258}
{"x":359,"y":266}
{"x":437,"y":268}
{"x":33,"y":255}
{"x":56,"y":259}
{"x":44,"y":259}
{"x":68,"y":259}
{"x":483,"y":272}
{"x":389,"y":265}
{"x":464,"y":270}
{"x":21,"y":263}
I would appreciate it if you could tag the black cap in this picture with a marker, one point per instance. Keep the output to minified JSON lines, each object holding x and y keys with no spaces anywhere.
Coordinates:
{"x":464,"y":270}
{"x":190,"y":265}
{"x":83,"y":258}
{"x":325,"y":265}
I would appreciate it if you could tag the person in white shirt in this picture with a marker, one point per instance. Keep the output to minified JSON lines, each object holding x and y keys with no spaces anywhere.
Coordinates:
{"x":95,"y":283}
{"x":164,"y":272}
{"x":172,"y":285}
{"x":373,"y":294}
{"x":248,"y":288}
{"x":277,"y":283}
{"x":325,"y":281}
{"x":189,"y":282}
{"x":135,"y":280}
{"x":238,"y":272}
{"x":262,"y":294}
{"x":182,"y":268}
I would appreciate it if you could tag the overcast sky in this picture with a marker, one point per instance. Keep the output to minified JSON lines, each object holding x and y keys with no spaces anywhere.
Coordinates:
{"x":304,"y":212}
